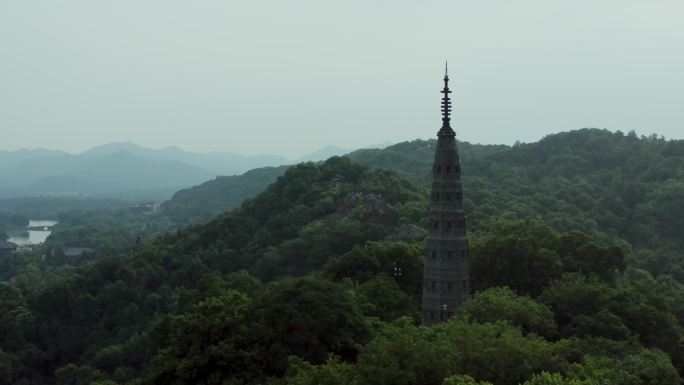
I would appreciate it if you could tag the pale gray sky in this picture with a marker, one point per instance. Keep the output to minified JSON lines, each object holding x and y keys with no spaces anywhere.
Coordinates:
{"x":288,"y":77}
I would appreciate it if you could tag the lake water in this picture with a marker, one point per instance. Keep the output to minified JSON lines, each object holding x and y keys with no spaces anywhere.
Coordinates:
{"x":33,"y":237}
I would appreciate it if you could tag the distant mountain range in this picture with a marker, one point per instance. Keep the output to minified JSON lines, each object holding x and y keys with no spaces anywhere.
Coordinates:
{"x":216,"y":163}
{"x":127,"y":170}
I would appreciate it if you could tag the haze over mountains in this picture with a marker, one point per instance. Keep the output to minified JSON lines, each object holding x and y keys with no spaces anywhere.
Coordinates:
{"x":127,"y":170}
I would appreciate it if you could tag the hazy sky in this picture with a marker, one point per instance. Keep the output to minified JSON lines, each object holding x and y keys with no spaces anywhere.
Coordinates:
{"x":288,"y":77}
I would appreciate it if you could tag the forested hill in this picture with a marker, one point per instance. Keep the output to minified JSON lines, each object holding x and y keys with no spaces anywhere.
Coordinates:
{"x":107,"y":316}
{"x":206,"y":200}
{"x":592,"y":180}
{"x":413,"y":160}
{"x":317,"y":280}
{"x":307,"y":216}
{"x":587,"y":180}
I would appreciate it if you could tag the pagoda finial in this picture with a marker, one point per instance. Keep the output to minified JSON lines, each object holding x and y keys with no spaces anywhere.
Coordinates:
{"x":446,"y":102}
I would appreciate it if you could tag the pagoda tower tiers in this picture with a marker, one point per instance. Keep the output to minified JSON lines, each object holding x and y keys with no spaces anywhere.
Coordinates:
{"x":446,"y":284}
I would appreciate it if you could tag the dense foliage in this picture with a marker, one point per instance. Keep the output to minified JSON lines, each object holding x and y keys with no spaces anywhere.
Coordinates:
{"x":609,"y":185}
{"x":10,"y":220}
{"x":317,"y":280}
{"x":602,"y":183}
{"x":105,"y":231}
{"x":204,"y":201}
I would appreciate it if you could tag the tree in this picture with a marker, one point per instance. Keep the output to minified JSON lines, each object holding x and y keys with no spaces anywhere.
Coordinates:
{"x":381,"y":297}
{"x":77,"y":375}
{"x":308,"y":317}
{"x":579,"y":253}
{"x":402,"y":261}
{"x":497,"y":352}
{"x":332,"y":372}
{"x":210,"y":344}
{"x":495,"y":304}
{"x":546,"y":378}
{"x":520,"y":255}
{"x":648,"y":367}
{"x":574,"y":295}
{"x":403,"y":354}
{"x":463,"y":380}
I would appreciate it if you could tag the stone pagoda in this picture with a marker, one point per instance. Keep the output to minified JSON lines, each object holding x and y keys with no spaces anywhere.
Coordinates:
{"x":446,"y":284}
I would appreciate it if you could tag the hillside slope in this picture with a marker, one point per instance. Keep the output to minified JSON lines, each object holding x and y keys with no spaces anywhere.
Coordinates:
{"x":204,"y":201}
{"x":308,"y":216}
{"x":589,"y":180}
{"x":180,"y":309}
{"x":227,"y":192}
{"x":603,"y":183}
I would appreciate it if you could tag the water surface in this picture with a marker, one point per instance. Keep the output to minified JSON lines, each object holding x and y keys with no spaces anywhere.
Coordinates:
{"x":33,"y":237}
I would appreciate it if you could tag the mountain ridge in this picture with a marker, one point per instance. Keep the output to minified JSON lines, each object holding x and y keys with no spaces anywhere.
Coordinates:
{"x":320,"y":240}
{"x":581,"y":160}
{"x":40,"y":171}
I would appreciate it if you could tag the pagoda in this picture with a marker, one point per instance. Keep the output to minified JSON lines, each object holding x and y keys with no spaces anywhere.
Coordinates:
{"x":446,"y":284}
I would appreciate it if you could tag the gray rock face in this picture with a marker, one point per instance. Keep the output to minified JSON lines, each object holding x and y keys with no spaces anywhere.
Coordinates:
{"x":446,"y":284}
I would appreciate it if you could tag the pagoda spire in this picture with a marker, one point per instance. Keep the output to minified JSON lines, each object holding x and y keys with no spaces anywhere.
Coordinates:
{"x":446,"y":105}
